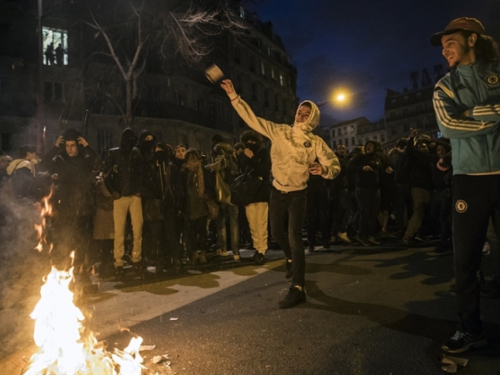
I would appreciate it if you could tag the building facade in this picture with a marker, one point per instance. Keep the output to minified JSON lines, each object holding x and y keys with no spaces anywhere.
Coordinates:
{"x":178,"y":104}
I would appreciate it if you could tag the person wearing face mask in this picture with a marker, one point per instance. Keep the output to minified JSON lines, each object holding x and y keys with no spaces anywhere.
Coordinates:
{"x":467,"y":106}
{"x":294,"y":150}
{"x":152,"y":204}
{"x":72,"y":164}
{"x":123,"y":171}
{"x":198,"y":184}
{"x":366,"y":169}
{"x":256,"y":160}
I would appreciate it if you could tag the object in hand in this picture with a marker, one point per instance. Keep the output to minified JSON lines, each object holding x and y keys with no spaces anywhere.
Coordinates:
{"x":214,"y":74}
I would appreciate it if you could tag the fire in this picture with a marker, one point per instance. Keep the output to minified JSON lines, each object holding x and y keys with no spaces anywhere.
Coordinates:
{"x":65,"y":345}
{"x":45,"y":211}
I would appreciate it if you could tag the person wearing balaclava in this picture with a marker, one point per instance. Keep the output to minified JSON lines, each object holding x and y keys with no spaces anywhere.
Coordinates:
{"x":294,"y":151}
{"x":72,"y":164}
{"x":366,"y":169}
{"x":123,"y":170}
{"x":256,"y":161}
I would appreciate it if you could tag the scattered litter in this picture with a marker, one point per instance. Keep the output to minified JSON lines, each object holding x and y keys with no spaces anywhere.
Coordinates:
{"x":452,"y":363}
{"x":157,"y":359}
{"x":172,"y":318}
{"x":452,"y":369}
{"x":146,"y":347}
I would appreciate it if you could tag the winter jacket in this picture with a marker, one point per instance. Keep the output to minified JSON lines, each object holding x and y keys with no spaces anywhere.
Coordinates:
{"x":74,"y":193}
{"x":293,"y":149}
{"x":366,"y":179}
{"x":475,"y":141}
{"x":260,"y":165}
{"x":124,"y":171}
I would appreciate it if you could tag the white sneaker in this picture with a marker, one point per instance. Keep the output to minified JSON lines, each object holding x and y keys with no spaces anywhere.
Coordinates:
{"x":343,"y":237}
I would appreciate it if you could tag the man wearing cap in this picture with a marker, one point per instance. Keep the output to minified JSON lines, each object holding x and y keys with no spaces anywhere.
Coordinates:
{"x":467,"y":105}
{"x":294,"y":152}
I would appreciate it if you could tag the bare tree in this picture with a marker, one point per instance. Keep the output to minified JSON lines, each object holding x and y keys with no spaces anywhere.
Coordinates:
{"x":131,"y":30}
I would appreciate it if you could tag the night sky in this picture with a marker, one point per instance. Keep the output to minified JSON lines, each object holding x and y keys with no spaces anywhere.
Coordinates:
{"x":364,"y":45}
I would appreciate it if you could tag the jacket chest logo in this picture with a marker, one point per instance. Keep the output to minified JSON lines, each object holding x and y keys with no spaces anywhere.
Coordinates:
{"x":307,"y":144}
{"x":492,"y":79}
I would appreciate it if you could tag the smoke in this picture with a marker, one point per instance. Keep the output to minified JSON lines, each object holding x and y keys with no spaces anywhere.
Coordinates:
{"x":22,"y":269}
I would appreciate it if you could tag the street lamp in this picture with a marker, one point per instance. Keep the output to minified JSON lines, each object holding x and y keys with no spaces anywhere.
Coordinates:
{"x":339,"y":97}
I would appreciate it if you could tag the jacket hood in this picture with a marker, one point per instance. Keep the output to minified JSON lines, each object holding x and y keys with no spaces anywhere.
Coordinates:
{"x":18,"y":164}
{"x":128,"y":140}
{"x":143,"y":145}
{"x":313,"y":120}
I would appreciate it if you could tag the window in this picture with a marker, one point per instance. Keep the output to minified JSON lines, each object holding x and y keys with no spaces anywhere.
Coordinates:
{"x":254,"y":91}
{"x":6,"y":142}
{"x":4,"y":86}
{"x":353,"y":141}
{"x":375,"y":138}
{"x":334,"y":144}
{"x":273,"y":74}
{"x":266,"y":98}
{"x":242,"y":12}
{"x":282,"y":81}
{"x":179,"y":98}
{"x":406,"y":128}
{"x":252,"y":64}
{"x":55,"y":46}
{"x":262,"y":68}
{"x":104,"y":140}
{"x":54,"y":91}
{"x":347,"y":141}
{"x":382,"y":138}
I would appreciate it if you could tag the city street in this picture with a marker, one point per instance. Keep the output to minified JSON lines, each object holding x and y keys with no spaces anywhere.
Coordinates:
{"x":377,"y":310}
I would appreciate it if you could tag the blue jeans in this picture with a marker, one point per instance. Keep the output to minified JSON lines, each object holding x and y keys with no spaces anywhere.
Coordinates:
{"x":289,"y":238}
{"x":231,"y":211}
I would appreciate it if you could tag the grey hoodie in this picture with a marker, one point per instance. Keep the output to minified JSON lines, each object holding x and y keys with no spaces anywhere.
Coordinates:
{"x":293,"y":148}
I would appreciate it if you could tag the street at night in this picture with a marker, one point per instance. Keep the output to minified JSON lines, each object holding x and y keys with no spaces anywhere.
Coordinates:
{"x":378,"y":310}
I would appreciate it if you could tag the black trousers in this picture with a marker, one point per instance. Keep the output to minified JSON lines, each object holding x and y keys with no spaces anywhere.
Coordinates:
{"x":289,"y":239}
{"x":475,"y":200}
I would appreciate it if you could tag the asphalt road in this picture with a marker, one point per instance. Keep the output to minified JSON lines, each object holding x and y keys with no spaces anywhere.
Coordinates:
{"x":378,"y":310}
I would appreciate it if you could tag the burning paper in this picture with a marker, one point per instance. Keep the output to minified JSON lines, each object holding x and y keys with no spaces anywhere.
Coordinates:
{"x":65,"y":346}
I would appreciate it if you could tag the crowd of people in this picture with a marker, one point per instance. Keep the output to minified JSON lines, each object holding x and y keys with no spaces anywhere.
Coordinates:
{"x":148,"y":203}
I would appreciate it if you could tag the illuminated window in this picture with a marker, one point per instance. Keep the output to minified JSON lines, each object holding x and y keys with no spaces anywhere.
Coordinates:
{"x":55,"y":46}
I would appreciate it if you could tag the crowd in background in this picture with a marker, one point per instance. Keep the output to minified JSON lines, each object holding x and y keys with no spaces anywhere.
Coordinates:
{"x":146,"y":203}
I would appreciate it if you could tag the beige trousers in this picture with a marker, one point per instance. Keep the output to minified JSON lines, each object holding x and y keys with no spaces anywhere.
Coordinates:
{"x":257,"y":216}
{"x":121,"y":207}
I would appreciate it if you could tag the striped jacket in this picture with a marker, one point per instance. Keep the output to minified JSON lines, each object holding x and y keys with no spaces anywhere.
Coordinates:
{"x":475,"y":139}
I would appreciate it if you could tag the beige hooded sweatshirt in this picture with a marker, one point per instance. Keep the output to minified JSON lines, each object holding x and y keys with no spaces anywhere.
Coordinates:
{"x":293,"y":148}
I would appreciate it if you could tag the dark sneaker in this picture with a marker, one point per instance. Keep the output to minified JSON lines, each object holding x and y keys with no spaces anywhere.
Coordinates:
{"x":289,"y":269}
{"x":462,"y":341}
{"x":373,"y":240}
{"x":443,"y":248}
{"x":119,"y":274}
{"x":294,"y":297}
{"x":260,"y":259}
{"x":362,"y":241}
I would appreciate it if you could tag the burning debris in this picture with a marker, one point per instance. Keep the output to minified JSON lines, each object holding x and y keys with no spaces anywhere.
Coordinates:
{"x":65,"y":345}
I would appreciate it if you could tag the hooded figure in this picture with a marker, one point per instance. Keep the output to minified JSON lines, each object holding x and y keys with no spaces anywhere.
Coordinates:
{"x":295,"y":153}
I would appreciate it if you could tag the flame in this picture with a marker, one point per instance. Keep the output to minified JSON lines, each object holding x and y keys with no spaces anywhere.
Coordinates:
{"x":65,"y":345}
{"x":45,"y":211}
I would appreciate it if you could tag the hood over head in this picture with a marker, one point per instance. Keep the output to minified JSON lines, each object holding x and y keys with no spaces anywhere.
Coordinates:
{"x":146,"y":147}
{"x":312,"y":122}
{"x":128,"y":140}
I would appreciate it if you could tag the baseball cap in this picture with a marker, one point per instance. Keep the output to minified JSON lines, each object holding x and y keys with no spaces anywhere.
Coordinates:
{"x":459,"y":24}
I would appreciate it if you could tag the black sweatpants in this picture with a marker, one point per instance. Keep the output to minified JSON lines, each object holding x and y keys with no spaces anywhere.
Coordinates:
{"x":475,"y":200}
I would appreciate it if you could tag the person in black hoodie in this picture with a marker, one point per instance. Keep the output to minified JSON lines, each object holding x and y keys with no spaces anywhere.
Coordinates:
{"x":123,"y":169}
{"x":256,"y":160}
{"x":420,"y":165}
{"x":72,"y":165}
{"x":367,"y":168}
{"x":171,"y":195}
